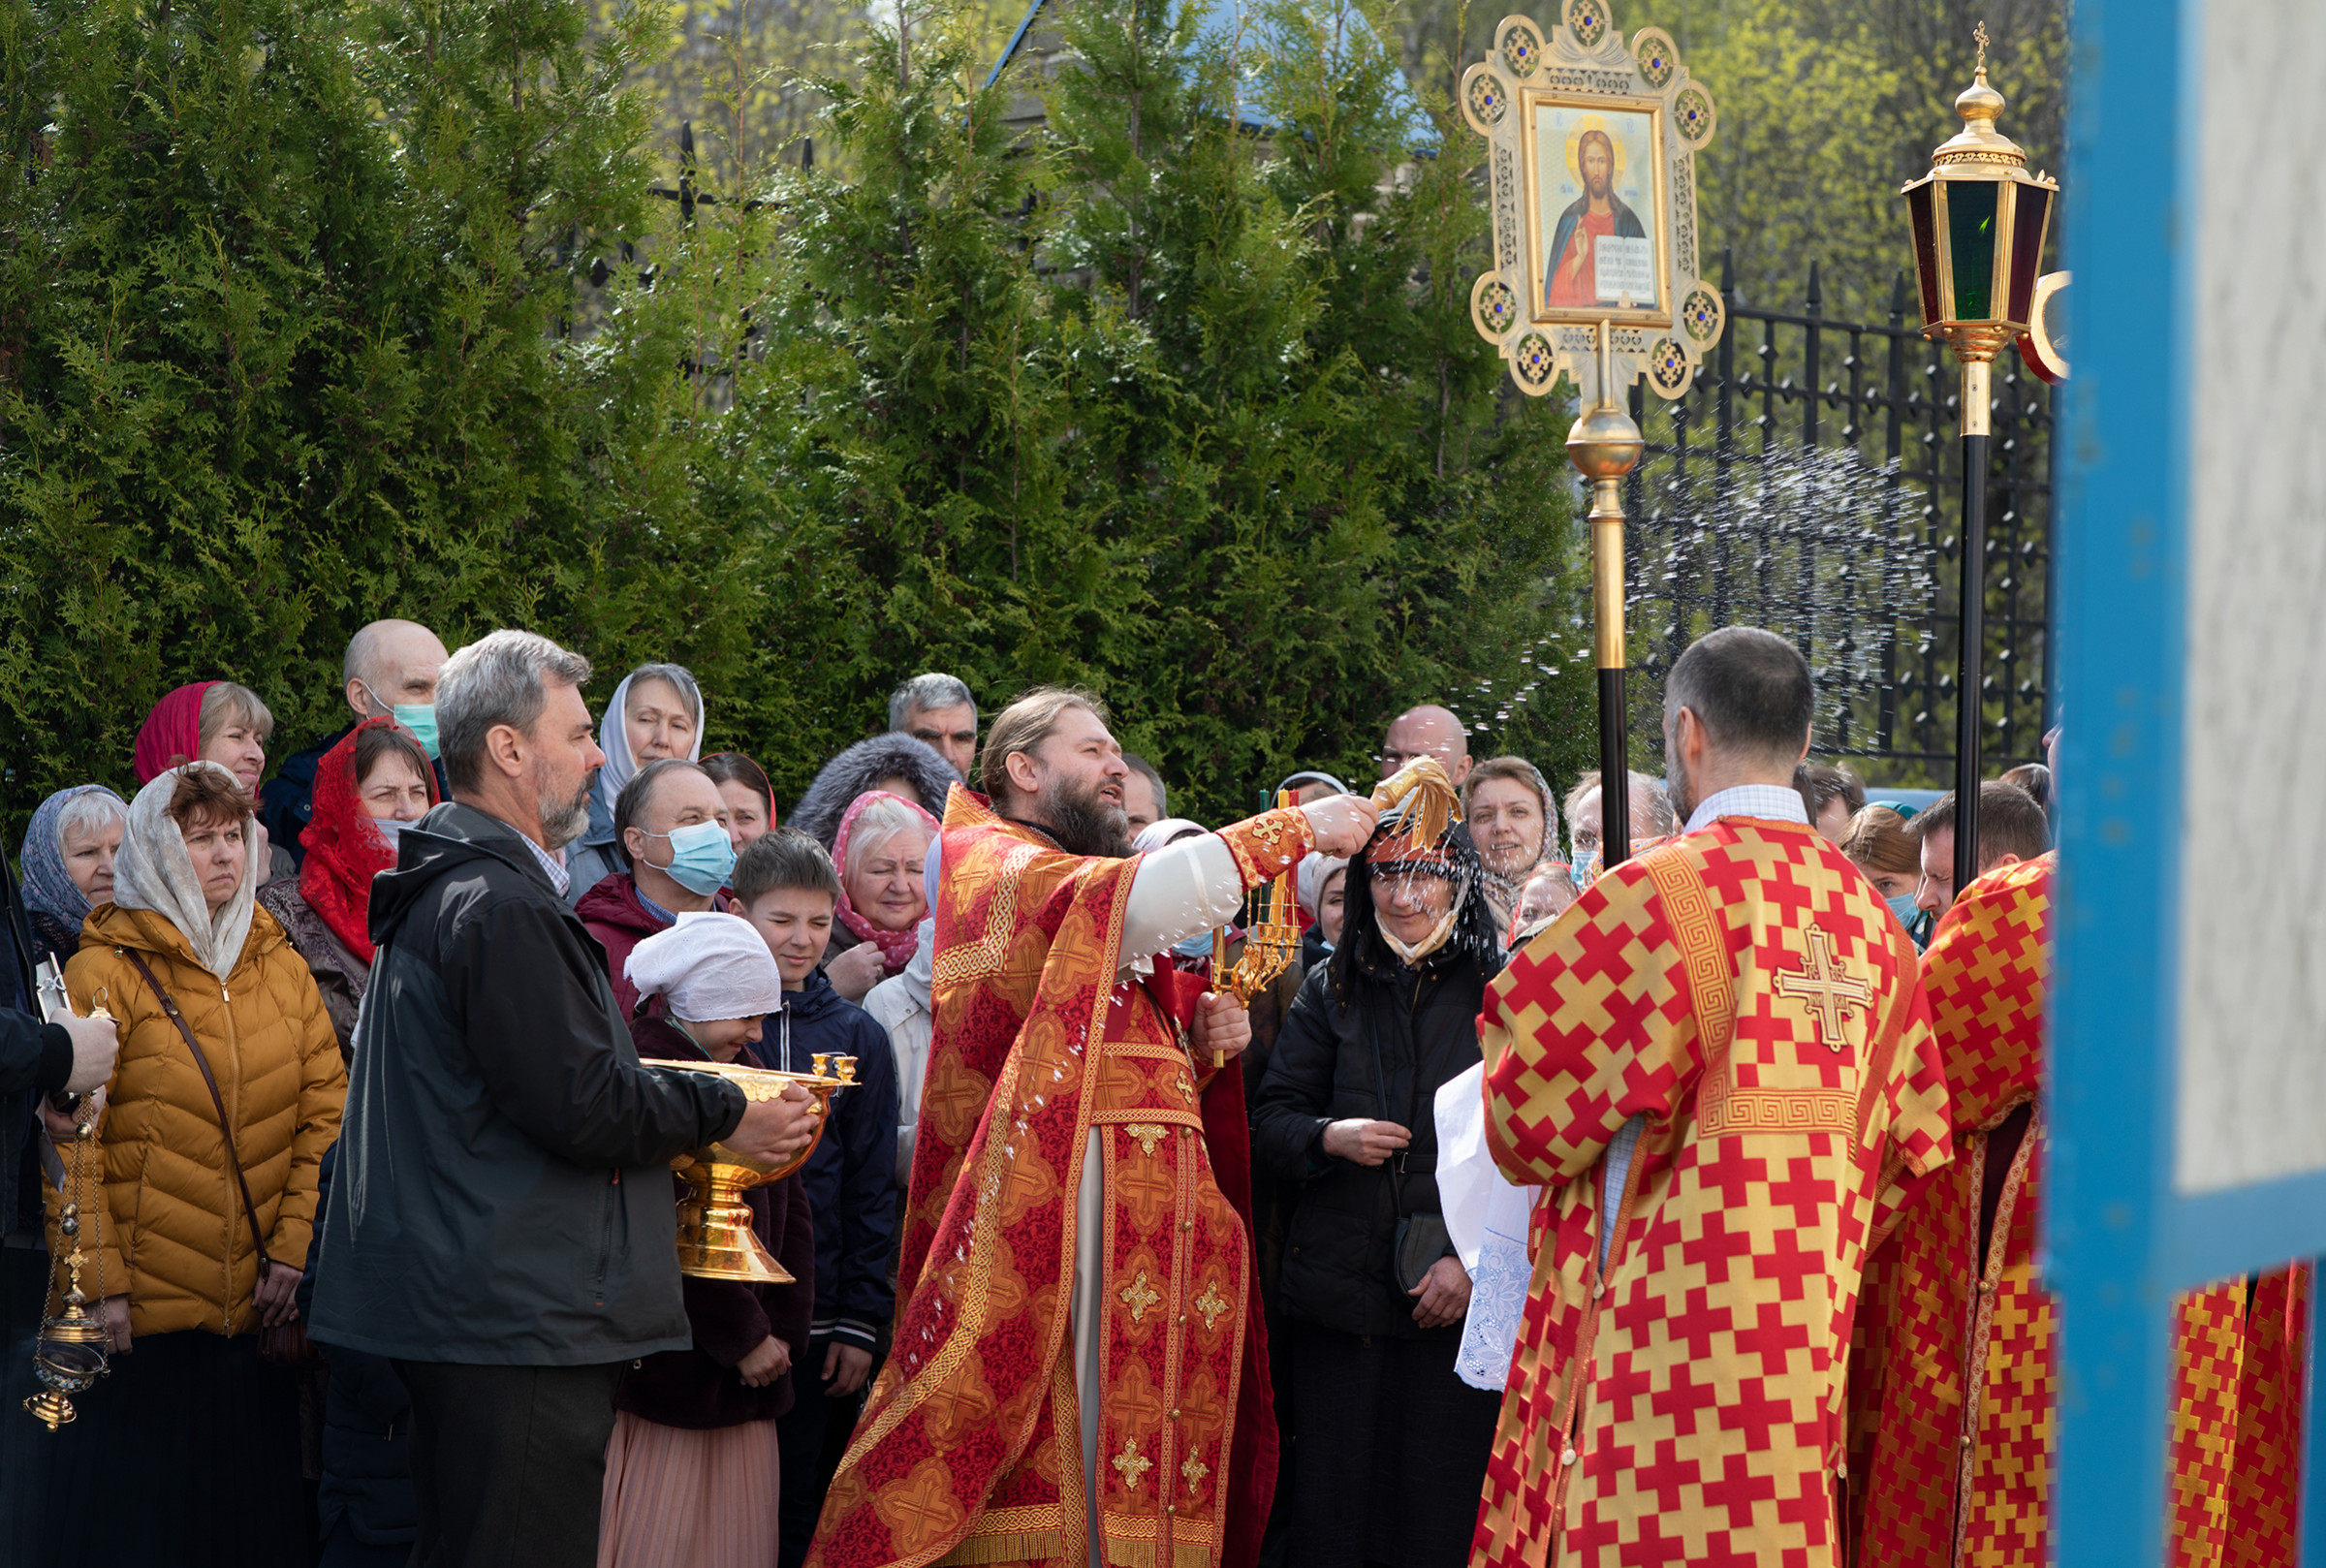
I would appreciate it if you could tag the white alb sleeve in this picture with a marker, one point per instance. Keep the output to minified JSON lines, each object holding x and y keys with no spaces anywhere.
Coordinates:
{"x":1180,"y":890}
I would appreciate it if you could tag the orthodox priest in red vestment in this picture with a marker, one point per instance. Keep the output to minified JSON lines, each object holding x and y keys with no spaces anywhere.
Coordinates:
{"x":1718,"y":1064}
{"x":1079,"y":1374}
{"x":1952,"y":1377}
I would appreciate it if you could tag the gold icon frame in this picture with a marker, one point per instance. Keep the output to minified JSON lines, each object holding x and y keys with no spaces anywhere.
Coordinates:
{"x":1583,"y":64}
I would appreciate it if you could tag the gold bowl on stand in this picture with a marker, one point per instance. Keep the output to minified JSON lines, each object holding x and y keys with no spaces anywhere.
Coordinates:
{"x":715,"y":1238}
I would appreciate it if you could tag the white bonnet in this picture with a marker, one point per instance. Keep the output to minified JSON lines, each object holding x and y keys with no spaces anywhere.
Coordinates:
{"x":709,"y":965}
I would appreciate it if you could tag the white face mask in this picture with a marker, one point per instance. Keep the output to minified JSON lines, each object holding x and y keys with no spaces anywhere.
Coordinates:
{"x":1428,"y":944}
{"x":392,"y":830}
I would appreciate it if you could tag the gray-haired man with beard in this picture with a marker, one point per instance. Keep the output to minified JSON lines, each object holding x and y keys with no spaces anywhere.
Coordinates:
{"x":501,"y":1224}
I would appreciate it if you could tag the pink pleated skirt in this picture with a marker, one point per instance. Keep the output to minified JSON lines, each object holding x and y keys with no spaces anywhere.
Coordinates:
{"x":677,"y":1498}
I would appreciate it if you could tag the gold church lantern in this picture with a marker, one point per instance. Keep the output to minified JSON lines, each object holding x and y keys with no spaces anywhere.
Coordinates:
{"x":1980,"y":222}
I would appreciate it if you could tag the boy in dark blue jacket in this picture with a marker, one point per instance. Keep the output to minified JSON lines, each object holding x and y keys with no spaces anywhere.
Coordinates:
{"x":785,"y":885}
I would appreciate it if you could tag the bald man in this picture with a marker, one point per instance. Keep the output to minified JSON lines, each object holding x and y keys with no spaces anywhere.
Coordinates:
{"x":389,"y":670}
{"x":1427,"y":730}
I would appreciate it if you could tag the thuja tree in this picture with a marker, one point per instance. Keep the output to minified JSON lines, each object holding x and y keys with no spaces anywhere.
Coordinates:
{"x":292,"y":335}
{"x":279,"y":347}
{"x":1356,"y":516}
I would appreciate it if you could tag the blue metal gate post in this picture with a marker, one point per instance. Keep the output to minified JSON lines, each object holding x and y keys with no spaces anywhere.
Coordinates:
{"x":2121,"y":1239}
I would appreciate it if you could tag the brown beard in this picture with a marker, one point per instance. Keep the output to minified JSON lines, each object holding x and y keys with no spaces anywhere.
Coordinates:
{"x":1678,"y":786}
{"x":1083,"y":823}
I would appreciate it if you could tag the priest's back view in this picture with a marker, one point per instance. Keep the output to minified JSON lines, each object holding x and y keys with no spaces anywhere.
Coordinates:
{"x":1719,"y":1065}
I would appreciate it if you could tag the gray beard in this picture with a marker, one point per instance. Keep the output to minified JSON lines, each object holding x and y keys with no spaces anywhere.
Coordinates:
{"x":561,"y":825}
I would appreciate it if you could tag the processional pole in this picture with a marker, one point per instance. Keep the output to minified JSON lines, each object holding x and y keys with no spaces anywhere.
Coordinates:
{"x":1605,"y":446}
{"x":1980,"y":220}
{"x":1591,"y":143}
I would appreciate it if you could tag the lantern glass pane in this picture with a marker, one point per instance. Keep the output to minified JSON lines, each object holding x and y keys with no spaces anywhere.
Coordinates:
{"x":2027,"y":222}
{"x":1970,"y":237}
{"x":1925,"y":248}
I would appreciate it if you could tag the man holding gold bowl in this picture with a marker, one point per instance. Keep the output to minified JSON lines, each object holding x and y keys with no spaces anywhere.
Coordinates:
{"x":502,"y":1225}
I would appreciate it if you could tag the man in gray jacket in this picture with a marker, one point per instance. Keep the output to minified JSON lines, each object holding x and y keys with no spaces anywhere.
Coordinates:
{"x":502,"y":1226}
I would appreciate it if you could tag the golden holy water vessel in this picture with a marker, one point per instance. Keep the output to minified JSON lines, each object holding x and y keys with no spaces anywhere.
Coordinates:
{"x":715,"y":1238}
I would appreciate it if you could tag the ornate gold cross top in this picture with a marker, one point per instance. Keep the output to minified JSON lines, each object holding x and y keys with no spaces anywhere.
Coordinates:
{"x":1979,"y":35}
{"x":1831,"y":991}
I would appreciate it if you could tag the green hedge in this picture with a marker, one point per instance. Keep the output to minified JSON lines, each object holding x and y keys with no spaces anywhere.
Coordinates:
{"x":295,"y":330}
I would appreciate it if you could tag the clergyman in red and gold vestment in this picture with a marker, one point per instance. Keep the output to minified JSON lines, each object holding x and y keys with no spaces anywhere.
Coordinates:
{"x":1941,"y":1477}
{"x":1079,"y":1372}
{"x":1718,"y":1064}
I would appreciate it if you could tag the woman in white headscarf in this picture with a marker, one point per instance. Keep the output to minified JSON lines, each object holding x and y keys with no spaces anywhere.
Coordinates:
{"x":656,"y":711}
{"x":693,"y":1469}
{"x":204,"y":1228}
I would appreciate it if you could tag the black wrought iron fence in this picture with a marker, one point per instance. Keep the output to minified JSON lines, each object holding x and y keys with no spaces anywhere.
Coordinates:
{"x":1811,"y":482}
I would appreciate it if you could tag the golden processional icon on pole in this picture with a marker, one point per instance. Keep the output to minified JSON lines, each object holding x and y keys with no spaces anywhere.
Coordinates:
{"x":1593,"y":150}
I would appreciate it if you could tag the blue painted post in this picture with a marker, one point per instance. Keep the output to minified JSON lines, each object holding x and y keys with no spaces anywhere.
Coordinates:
{"x":2122,"y":454}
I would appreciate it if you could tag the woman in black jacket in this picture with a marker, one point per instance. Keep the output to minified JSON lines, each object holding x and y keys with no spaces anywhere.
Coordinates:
{"x":1390,"y":1446}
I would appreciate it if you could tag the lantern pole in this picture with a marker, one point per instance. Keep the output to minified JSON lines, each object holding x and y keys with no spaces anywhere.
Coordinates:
{"x":1970,"y":708}
{"x":1605,"y":446}
{"x":1980,"y":221}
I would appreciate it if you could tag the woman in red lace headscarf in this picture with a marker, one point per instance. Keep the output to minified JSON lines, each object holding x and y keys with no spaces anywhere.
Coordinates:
{"x":368,"y":788}
{"x":878,"y":851}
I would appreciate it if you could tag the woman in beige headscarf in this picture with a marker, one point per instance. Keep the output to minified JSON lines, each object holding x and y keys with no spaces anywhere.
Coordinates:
{"x":207,"y":991}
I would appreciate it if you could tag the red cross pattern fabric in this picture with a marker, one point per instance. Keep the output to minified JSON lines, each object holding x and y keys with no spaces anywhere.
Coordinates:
{"x":1954,"y":1367}
{"x":968,"y":1451}
{"x":1744,"y":990}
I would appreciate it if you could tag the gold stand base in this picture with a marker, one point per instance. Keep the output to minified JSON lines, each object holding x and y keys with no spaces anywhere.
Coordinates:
{"x":715,"y":1238}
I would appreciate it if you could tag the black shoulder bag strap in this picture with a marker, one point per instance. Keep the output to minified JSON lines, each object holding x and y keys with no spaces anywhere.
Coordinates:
{"x":225,"y":1126}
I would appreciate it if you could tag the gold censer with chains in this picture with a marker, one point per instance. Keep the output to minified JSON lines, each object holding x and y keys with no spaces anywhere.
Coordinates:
{"x":69,"y":1355}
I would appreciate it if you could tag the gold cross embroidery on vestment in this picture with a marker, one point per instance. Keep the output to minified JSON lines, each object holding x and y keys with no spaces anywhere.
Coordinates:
{"x":1832,"y":993}
{"x":1138,"y":1295}
{"x":1210,"y":1305}
{"x":1146,"y":1132}
{"x":1132,"y":1464}
{"x":1195,"y":1469}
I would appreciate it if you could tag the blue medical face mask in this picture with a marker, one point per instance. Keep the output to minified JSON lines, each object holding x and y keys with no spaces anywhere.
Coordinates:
{"x":418,"y":717}
{"x":701,"y":857}
{"x":1198,"y":945}
{"x":421,"y":719}
{"x":1905,"y":909}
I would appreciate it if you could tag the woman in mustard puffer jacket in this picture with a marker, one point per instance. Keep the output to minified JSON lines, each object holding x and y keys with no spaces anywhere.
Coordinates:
{"x":207,"y":1430}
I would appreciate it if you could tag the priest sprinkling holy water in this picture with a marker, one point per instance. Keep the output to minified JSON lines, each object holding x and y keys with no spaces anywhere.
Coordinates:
{"x":1720,"y":1066}
{"x":1079,"y":1372}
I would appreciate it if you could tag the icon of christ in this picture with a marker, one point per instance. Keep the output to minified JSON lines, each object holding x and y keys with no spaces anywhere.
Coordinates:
{"x":1598,"y":214}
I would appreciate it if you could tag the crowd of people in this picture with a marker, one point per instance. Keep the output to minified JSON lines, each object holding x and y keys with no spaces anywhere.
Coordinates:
{"x":385,"y":1249}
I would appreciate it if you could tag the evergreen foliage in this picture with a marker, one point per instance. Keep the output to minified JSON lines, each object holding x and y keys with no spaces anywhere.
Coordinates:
{"x":279,"y":353}
{"x":299,"y":337}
